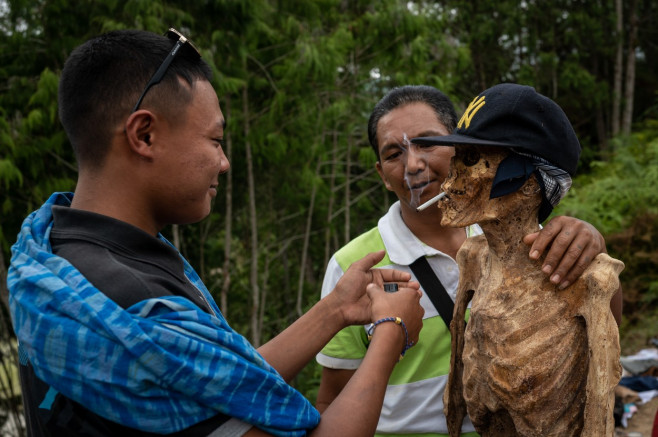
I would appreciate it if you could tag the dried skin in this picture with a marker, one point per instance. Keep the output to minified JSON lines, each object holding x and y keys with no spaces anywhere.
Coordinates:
{"x":533,"y":360}
{"x":536,"y":361}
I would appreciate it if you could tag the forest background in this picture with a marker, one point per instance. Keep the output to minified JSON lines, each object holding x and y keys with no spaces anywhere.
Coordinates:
{"x":297,"y":81}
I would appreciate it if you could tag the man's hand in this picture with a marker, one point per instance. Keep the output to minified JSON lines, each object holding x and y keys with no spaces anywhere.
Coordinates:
{"x":404,"y":303}
{"x":350,"y":292}
{"x":572,"y":245}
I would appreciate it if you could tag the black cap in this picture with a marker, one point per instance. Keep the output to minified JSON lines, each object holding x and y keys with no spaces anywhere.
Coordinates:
{"x":511,"y":115}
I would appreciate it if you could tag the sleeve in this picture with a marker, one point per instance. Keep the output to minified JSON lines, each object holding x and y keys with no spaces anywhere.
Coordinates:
{"x":348,"y":347}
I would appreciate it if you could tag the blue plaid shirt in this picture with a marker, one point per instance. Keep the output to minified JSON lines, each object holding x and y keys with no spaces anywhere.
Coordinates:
{"x":161,"y":365}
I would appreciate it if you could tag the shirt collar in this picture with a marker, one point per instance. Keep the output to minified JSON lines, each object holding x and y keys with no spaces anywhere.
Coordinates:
{"x":117,"y":235}
{"x":402,"y":246}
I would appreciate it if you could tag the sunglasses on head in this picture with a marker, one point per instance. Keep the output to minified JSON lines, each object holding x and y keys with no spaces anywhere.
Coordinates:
{"x":180,"y":41}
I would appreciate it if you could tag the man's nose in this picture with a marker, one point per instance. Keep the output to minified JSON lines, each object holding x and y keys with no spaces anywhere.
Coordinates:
{"x":224,"y":164}
{"x":416,"y":160}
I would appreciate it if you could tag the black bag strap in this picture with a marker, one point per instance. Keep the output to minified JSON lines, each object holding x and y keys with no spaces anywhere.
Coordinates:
{"x":434,"y":289}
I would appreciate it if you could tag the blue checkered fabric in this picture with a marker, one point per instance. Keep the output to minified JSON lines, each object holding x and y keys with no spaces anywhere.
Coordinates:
{"x":556,"y":181}
{"x":161,"y":365}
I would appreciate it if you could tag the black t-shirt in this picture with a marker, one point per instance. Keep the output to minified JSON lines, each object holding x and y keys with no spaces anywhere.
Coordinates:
{"x":128,"y":265}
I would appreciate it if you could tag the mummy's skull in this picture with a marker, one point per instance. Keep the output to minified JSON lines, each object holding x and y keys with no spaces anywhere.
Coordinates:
{"x":472,"y":171}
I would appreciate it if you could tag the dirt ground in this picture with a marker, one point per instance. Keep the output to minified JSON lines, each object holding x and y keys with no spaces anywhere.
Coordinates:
{"x":642,"y":421}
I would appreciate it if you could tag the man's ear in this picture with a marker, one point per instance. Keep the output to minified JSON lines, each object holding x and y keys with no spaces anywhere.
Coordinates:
{"x":139,"y":128}
{"x":378,"y":166}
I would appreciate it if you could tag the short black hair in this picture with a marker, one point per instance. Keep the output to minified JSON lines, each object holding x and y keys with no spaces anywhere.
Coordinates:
{"x":400,"y":96}
{"x":103,"y":78}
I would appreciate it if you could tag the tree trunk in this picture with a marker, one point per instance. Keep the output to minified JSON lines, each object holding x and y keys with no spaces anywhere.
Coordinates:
{"x":175,"y":231}
{"x":619,"y":65}
{"x":307,"y":237}
{"x":4,"y":291}
{"x":204,"y":228}
{"x":263,"y":295}
{"x":629,"y":83}
{"x":9,"y":389}
{"x":555,"y":64}
{"x":330,"y":207}
{"x":348,"y":184}
{"x":600,"y":128}
{"x":228,"y":217}
{"x":253,"y":276}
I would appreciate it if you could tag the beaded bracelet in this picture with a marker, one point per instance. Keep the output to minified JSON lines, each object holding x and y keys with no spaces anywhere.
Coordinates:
{"x":398,"y":321}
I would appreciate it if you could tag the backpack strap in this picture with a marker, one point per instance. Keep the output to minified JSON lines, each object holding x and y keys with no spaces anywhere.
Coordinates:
{"x":434,"y":289}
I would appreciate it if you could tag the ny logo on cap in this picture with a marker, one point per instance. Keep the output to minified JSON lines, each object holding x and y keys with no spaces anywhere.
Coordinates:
{"x":473,"y":107}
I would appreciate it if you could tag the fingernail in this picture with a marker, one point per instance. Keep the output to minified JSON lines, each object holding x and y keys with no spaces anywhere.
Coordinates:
{"x":534,"y":254}
{"x":547,"y":269}
{"x":555,"y":279}
{"x":564,"y":285}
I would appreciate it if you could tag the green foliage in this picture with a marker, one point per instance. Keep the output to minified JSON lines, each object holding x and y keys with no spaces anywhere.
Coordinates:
{"x":619,"y":197}
{"x":10,"y":173}
{"x":621,"y":188}
{"x":297,"y":81}
{"x":637,"y":246}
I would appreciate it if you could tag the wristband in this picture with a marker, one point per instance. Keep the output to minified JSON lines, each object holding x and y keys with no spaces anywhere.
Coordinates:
{"x":398,"y":321}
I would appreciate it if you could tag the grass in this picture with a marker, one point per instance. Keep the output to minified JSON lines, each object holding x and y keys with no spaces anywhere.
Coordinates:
{"x":638,"y":334}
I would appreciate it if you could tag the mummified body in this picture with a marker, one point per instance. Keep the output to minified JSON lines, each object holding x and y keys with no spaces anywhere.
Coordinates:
{"x":533,"y":360}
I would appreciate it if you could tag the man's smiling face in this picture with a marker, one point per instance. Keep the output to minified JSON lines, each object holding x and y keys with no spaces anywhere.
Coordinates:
{"x":413,"y":172}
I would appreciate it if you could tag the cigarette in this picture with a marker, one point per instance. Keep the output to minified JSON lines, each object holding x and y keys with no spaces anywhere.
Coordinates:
{"x":431,"y":201}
